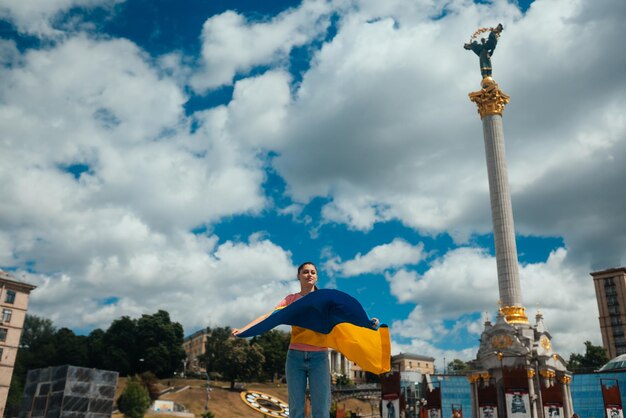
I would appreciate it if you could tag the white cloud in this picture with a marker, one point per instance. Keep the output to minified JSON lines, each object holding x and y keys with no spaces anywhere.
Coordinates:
{"x":38,"y":17}
{"x":393,"y":255}
{"x":120,"y":228}
{"x":233,"y":45}
{"x":197,"y":281}
{"x":258,"y":109}
{"x":464,"y":281}
{"x":389,"y":133}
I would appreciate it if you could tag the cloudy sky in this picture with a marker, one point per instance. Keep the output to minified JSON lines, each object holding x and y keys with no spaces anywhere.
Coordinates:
{"x":187,"y":156}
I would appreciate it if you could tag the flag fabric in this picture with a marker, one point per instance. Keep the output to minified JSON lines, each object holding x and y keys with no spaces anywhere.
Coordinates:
{"x":331,"y":318}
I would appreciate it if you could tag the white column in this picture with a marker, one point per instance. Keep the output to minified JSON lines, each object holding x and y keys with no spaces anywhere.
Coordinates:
{"x":501,"y":212}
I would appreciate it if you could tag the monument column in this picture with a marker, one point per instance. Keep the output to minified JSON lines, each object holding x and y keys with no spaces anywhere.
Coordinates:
{"x":525,"y":346}
{"x":491,"y":101}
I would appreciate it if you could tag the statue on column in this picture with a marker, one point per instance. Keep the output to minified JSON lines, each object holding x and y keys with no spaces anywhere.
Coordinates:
{"x":485,"y":48}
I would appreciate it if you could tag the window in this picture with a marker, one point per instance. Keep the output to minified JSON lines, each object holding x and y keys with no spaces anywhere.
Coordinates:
{"x":10,"y":298}
{"x":410,"y":364}
{"x":6,"y":315}
{"x":1,"y":352}
{"x":3,"y":334}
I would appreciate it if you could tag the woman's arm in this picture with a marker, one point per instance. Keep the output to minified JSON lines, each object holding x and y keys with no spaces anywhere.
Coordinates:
{"x":250,"y":325}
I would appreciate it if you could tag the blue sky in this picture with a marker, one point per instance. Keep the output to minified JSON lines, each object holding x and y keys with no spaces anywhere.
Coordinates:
{"x":188,"y":158}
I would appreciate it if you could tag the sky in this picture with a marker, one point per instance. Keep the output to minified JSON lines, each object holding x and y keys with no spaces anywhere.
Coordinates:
{"x":187,"y":156}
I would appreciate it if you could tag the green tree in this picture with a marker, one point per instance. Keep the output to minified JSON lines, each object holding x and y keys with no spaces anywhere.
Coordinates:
{"x":160,"y":344}
{"x":274,"y":345}
{"x":343,"y":380}
{"x":134,"y":400}
{"x":595,"y":357}
{"x":120,"y":340}
{"x":36,"y":348}
{"x":69,"y":349}
{"x":215,"y":347}
{"x":96,"y":349}
{"x":36,"y":330}
{"x":242,"y":361}
{"x":151,"y":383}
{"x":458,"y":366}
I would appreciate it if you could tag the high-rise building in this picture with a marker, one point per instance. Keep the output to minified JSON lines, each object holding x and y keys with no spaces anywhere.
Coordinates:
{"x":13,"y":302}
{"x":610,"y":288}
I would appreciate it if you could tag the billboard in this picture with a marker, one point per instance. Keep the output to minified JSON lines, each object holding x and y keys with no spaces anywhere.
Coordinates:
{"x":517,"y":403}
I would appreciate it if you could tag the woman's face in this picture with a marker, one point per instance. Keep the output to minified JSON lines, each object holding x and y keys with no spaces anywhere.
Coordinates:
{"x":308,"y":275}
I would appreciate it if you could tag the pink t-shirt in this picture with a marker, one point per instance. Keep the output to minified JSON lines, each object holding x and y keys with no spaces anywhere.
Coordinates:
{"x":289,"y":299}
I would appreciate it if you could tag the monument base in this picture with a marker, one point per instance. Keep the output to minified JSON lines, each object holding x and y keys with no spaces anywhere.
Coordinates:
{"x":517,"y":374}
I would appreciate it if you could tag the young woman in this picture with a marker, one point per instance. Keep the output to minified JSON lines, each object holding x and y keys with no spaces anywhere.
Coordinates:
{"x":304,"y":362}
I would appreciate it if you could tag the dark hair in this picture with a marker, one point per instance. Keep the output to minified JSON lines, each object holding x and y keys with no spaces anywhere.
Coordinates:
{"x":301,"y":266}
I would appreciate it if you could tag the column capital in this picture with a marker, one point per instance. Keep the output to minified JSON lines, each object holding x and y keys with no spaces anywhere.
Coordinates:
{"x":490,"y":99}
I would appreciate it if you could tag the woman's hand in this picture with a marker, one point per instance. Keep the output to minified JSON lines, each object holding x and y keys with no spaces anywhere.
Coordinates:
{"x":375,"y":322}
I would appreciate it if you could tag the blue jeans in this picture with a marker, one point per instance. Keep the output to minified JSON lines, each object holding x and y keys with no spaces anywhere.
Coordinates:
{"x":313,"y":365}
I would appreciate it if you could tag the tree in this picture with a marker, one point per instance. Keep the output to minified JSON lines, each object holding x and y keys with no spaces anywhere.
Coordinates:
{"x":150,"y":343}
{"x":121,"y":342}
{"x":458,"y":366}
{"x":36,"y":348}
{"x":69,"y":349}
{"x":343,"y":380}
{"x":151,"y":383}
{"x":242,"y":360}
{"x":134,"y":400}
{"x":595,"y":357}
{"x":36,"y":330}
{"x":274,"y":345}
{"x":96,"y":349}
{"x":215,"y":348}
{"x":160,"y":344}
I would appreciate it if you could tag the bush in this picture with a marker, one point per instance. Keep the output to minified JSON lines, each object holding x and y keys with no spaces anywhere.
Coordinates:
{"x":134,"y":401}
{"x":150,"y":382}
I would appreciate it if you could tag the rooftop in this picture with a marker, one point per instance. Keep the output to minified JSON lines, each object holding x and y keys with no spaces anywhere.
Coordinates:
{"x":411,"y":356}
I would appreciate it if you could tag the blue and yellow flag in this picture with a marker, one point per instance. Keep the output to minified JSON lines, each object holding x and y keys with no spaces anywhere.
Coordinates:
{"x":330,"y":318}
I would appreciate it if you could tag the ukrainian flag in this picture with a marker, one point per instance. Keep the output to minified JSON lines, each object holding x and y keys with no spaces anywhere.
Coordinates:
{"x":330,"y":318}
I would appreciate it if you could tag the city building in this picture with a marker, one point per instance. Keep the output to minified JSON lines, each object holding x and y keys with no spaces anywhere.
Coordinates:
{"x":610,"y":288}
{"x":194,"y":346}
{"x":14,"y":303}
{"x":407,"y":362}
{"x":593,"y":394}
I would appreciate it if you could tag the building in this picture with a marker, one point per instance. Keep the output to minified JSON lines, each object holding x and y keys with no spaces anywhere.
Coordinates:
{"x":590,"y":392}
{"x":407,"y":362}
{"x":14,"y":303}
{"x":610,"y":288}
{"x":194,"y":346}
{"x":69,"y":391}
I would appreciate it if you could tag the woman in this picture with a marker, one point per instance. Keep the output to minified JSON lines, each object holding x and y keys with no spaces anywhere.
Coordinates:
{"x":304,"y":361}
